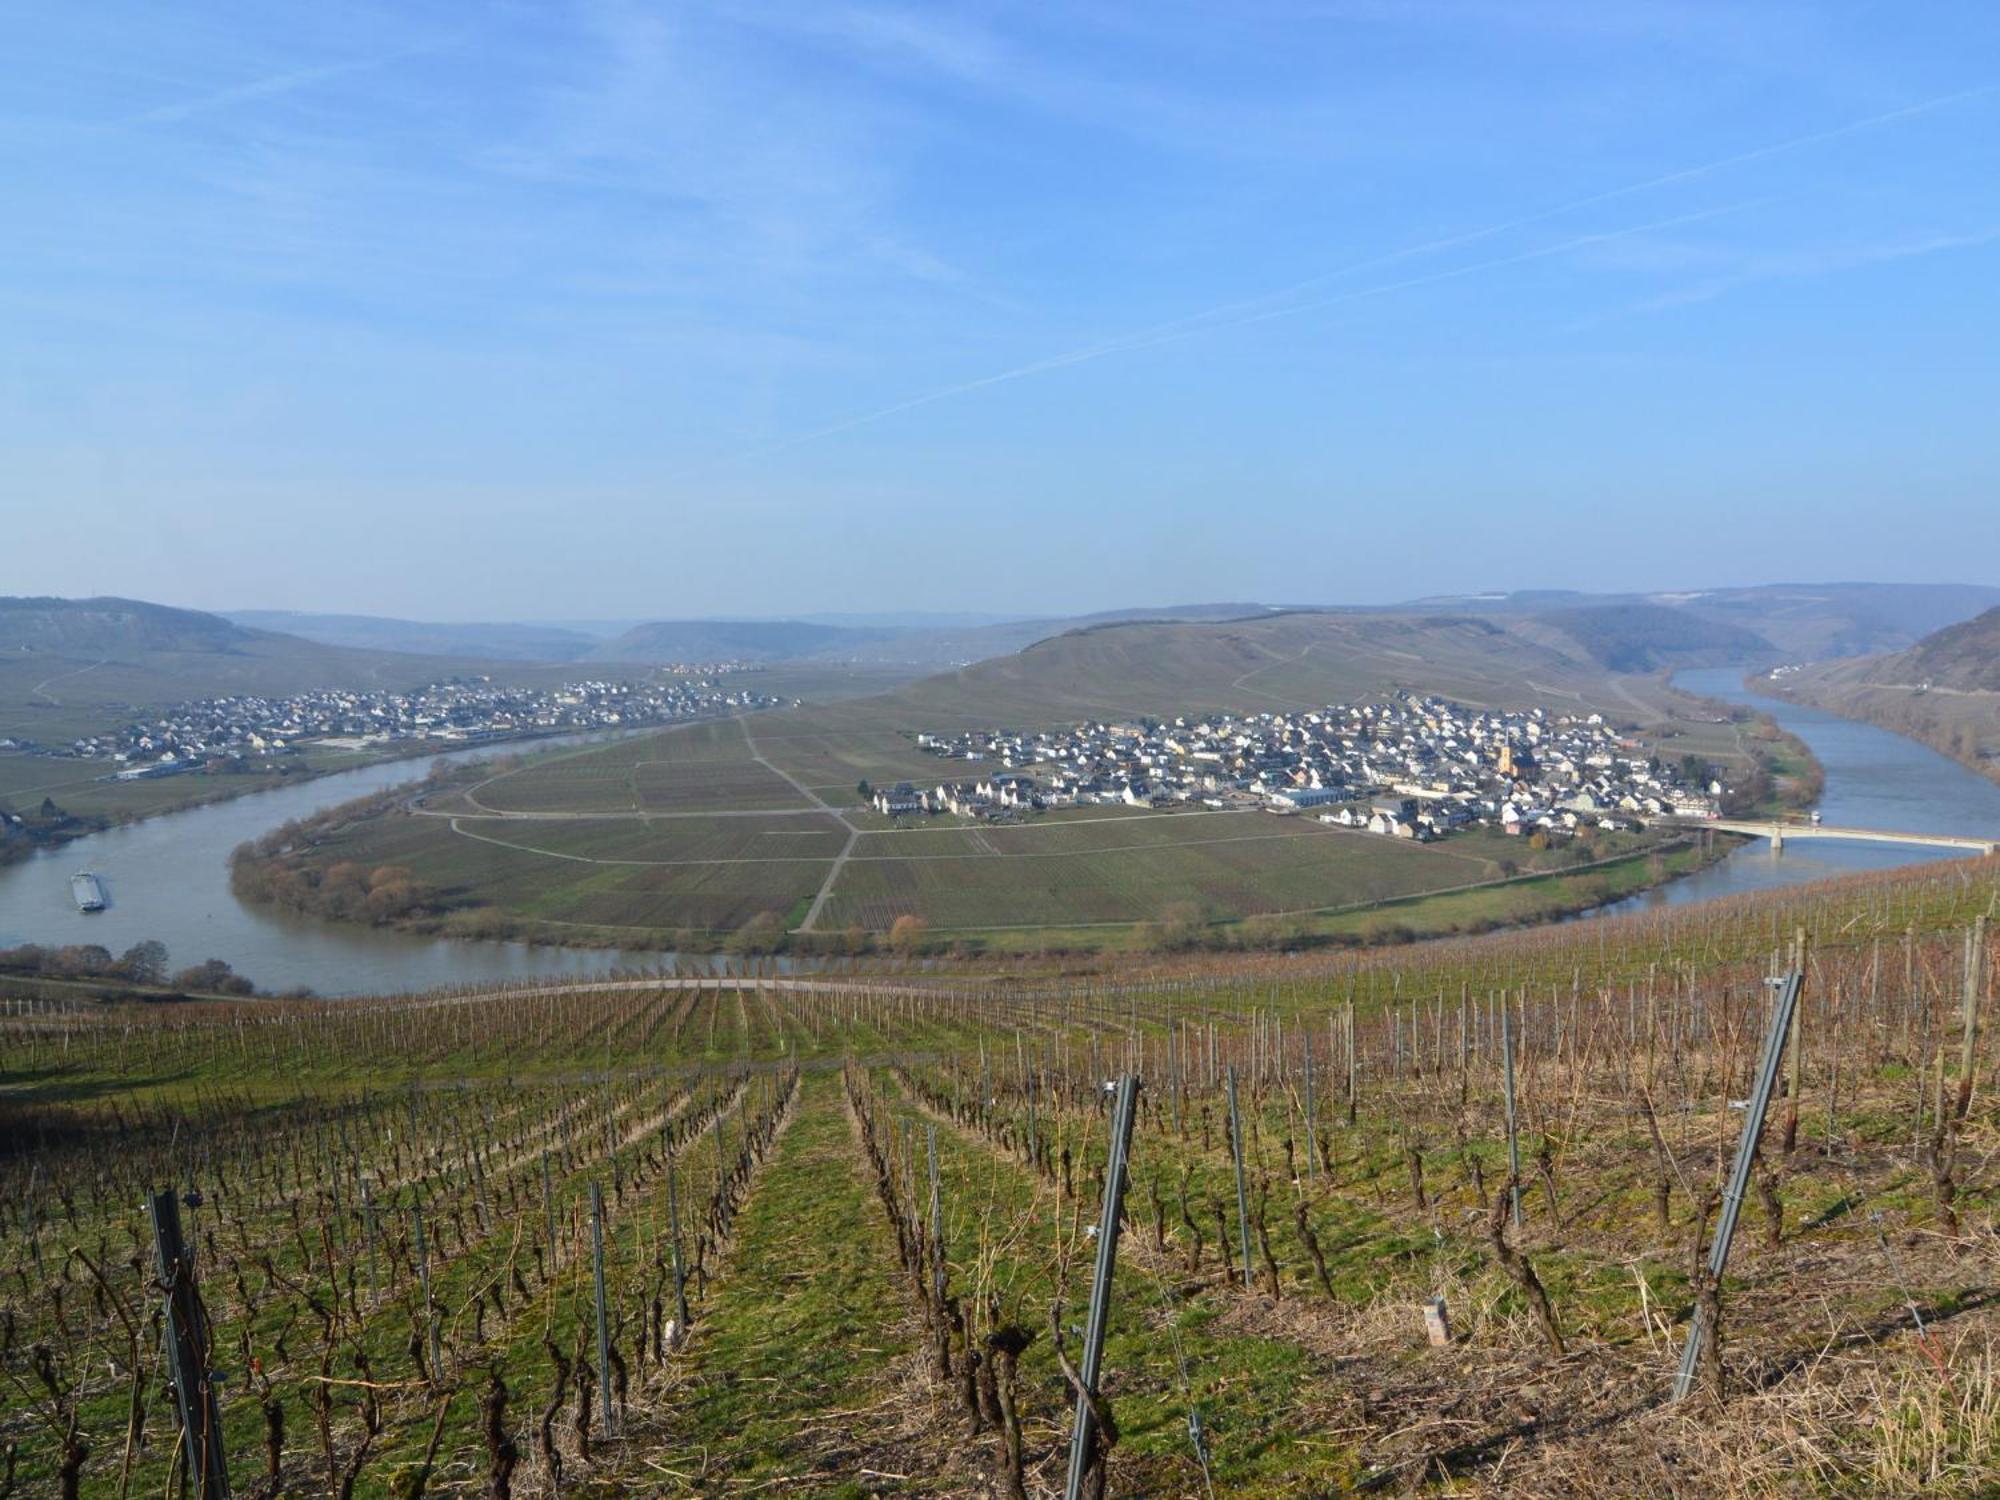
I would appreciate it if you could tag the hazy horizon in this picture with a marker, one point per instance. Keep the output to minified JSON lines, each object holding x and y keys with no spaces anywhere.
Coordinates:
{"x":611,"y":310}
{"x":889,"y":615}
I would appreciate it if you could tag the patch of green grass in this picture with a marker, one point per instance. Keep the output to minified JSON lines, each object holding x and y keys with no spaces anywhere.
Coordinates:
{"x":807,"y":1319}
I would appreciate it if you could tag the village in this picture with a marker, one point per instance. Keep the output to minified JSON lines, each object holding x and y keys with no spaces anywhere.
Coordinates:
{"x":1412,"y":768}
{"x":468,"y":710}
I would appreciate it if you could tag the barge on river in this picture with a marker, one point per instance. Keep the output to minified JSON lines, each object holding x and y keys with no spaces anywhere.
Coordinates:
{"x":87,"y":890}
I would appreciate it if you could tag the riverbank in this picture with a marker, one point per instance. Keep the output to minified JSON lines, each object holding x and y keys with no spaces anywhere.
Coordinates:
{"x":1782,"y":774}
{"x":1964,"y":726}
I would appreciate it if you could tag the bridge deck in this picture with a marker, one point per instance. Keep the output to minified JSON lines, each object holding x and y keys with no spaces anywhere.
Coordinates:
{"x":1779,"y":832}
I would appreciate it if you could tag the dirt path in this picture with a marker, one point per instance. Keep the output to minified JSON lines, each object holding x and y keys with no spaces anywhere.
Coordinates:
{"x":1241,"y":682}
{"x":37,"y":690}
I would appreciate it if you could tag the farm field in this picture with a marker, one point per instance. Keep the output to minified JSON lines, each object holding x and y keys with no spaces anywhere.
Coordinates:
{"x":1258,"y":864}
{"x":844,"y":1223}
{"x":704,"y":829}
{"x":702,"y":767}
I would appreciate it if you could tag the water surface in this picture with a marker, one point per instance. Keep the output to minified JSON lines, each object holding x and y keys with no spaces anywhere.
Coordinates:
{"x":168,"y":878}
{"x":1874,"y":779}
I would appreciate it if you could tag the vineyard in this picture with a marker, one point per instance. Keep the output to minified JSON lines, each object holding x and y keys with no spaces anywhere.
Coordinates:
{"x":1429,"y":1218}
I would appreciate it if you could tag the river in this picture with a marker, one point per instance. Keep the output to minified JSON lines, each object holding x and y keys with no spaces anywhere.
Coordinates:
{"x":168,"y":877}
{"x":1874,"y":779}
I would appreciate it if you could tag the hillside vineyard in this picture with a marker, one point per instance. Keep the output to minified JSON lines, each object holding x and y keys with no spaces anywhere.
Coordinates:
{"x":871,"y":1190}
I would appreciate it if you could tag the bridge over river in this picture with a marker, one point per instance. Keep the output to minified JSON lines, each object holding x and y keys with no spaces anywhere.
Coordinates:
{"x":1780,"y":831}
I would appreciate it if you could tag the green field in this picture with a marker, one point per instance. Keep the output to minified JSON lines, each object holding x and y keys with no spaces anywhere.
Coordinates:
{"x":685,"y":835}
{"x":1235,"y":865}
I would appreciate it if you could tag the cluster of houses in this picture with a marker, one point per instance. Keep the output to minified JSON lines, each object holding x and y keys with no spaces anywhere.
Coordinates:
{"x":466,"y":710}
{"x":1409,"y":767}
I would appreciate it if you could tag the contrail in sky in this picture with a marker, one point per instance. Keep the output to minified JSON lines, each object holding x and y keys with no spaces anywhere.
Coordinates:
{"x":276,"y":84}
{"x":1173,"y":333}
{"x":1219,"y":316}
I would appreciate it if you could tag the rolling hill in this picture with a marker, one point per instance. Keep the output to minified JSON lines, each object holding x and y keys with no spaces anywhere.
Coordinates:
{"x":86,"y":627}
{"x":1650,"y":637}
{"x":1295,"y":659}
{"x":1944,"y":690}
{"x":891,"y":640}
{"x":1965,"y":657}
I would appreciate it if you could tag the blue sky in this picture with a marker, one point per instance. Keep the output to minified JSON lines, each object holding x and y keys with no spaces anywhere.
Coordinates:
{"x":626,"y":309}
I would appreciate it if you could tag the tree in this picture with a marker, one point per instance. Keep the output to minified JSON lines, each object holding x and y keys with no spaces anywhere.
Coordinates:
{"x":907,"y":933}
{"x":82,"y":958}
{"x":1267,"y":931}
{"x":1181,"y":925}
{"x":867,"y":792}
{"x":763,"y":933}
{"x":144,"y":962}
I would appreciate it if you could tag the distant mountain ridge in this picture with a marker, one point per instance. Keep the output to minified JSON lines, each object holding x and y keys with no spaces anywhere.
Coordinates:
{"x":900,"y":645}
{"x":120,"y":655}
{"x":902,"y":639}
{"x":1799,"y":621}
{"x":1766,"y":622}
{"x":727,"y":640}
{"x":107,"y":625}
{"x":499,"y":641}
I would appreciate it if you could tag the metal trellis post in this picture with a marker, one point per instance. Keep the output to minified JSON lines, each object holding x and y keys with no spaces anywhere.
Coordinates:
{"x":603,"y":1325}
{"x":1242,"y":1194}
{"x":1100,"y":1283}
{"x":1513,"y":1135}
{"x":680,"y":1274}
{"x":430,"y":1307}
{"x":188,"y":1346}
{"x":1739,"y":1177}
